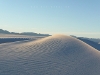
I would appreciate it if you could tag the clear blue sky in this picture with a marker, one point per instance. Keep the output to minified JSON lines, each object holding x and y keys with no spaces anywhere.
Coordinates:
{"x":72,"y":17}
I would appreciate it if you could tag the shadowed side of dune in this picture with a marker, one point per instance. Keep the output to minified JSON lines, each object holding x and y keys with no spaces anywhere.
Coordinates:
{"x":53,"y":55}
{"x":91,"y":43}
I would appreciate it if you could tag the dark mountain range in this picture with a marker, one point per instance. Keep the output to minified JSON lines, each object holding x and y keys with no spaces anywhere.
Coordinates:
{"x":23,"y":33}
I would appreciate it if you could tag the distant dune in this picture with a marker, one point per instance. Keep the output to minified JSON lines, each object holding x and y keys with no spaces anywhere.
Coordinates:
{"x":53,"y":55}
{"x":6,"y":38}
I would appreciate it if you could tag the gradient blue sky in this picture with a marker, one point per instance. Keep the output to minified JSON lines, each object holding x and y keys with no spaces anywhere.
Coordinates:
{"x":72,"y":17}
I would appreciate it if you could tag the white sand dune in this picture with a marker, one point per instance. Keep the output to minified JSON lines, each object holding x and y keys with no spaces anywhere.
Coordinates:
{"x":53,"y":55}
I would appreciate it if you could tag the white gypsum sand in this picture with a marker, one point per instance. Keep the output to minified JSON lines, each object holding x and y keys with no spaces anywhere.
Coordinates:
{"x":53,"y":55}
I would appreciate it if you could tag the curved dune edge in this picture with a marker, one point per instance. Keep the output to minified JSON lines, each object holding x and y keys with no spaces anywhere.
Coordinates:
{"x":53,"y":55}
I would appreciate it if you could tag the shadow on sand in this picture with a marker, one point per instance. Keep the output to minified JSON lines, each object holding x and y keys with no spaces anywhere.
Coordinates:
{"x":91,"y":43}
{"x":7,"y":40}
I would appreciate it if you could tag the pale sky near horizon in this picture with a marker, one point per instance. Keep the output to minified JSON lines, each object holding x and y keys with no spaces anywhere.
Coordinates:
{"x":72,"y":17}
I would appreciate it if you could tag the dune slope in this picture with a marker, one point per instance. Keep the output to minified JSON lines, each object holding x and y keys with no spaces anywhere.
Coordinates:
{"x":91,"y":43}
{"x":53,"y":55}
